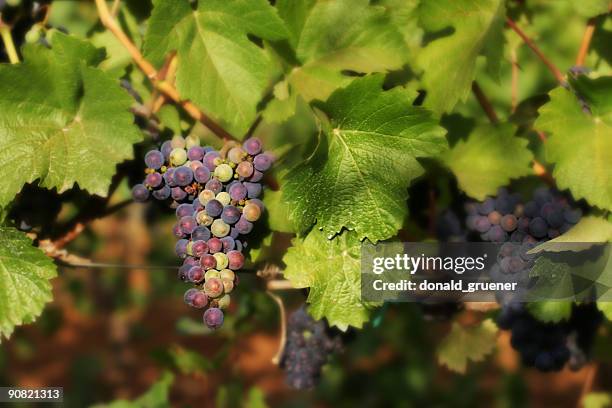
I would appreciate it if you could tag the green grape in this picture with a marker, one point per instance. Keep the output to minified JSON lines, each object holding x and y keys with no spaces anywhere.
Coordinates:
{"x":212,"y":274}
{"x":191,"y":141}
{"x":178,"y":142}
{"x":228,"y":285}
{"x":224,"y":302}
{"x":222,"y":260}
{"x":227,"y":274}
{"x":204,"y":219}
{"x":224,"y":172}
{"x":178,"y":156}
{"x":224,"y":198}
{"x":219,"y":228}
{"x":205,"y":196}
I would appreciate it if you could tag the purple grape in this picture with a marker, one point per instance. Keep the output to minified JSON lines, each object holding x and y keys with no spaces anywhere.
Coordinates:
{"x":195,"y":153}
{"x":215,"y":245}
{"x":195,"y":274}
{"x":201,"y":233}
{"x":166,"y":148}
{"x":181,"y":248}
{"x":538,"y":227}
{"x":177,"y":232}
{"x":555,"y":218}
{"x":253,"y":189}
{"x":169,"y":177}
{"x":497,"y":234}
{"x":236,"y":260}
{"x":183,"y":271}
{"x":239,"y":245}
{"x":523,"y":224}
{"x":191,"y":261}
{"x":234,"y":233}
{"x":245,"y":169}
{"x":237,"y":191}
{"x":184,"y":210}
{"x":228,"y":243}
{"x":542,"y":195}
{"x":572,"y":216}
{"x":243,"y":226}
{"x":199,"y":248}
{"x":262,"y":162}
{"x":202,"y":174}
{"x":163,"y":193}
{"x":214,"y":208}
{"x":154,"y":180}
{"x":209,"y":160}
{"x":178,"y":194}
{"x":486,"y":207}
{"x":531,"y":209}
{"x":252,"y":146}
{"x":189,"y":295}
{"x":188,"y":224}
{"x":199,"y":299}
{"x":208,"y":262}
{"x":140,"y":193}
{"x":236,"y":154}
{"x":509,"y":222}
{"x":214,"y":185}
{"x":213,"y":318}
{"x":256,"y":177}
{"x":154,"y":159}
{"x":482,"y":224}
{"x":197,"y":206}
{"x":230,"y":214}
{"x":183,"y":176}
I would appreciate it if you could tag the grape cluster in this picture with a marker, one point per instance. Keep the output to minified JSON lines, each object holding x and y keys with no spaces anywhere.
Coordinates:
{"x":549,"y":346}
{"x":215,"y":196}
{"x":307,"y":349}
{"x":504,"y":218}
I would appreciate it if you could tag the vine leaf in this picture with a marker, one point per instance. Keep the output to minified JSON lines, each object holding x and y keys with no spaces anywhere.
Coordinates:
{"x":591,"y":8}
{"x":333,"y":36}
{"x":358,"y":176}
{"x":489,"y":158}
{"x":464,"y":344}
{"x":332,"y":271}
{"x":63,"y":121}
{"x":157,"y":396}
{"x":219,"y":68}
{"x":449,"y":62}
{"x":580,"y":142}
{"x":551,"y":311}
{"x":25,"y":273}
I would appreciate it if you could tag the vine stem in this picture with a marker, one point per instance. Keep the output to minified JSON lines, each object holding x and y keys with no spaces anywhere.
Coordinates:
{"x":107,"y":19}
{"x":586,"y":42}
{"x":531,"y":44}
{"x":9,"y":45}
{"x":515,"y":81}
{"x":283,"y":327}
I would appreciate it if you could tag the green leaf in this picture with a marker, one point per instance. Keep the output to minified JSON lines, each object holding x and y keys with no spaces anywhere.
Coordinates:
{"x":278,"y":212}
{"x":219,"y":68}
{"x":332,"y":271}
{"x":550,"y":311}
{"x":606,"y":309}
{"x":255,"y":399}
{"x":449,"y":62}
{"x":358,"y":176}
{"x":334,"y":36}
{"x":597,"y":400}
{"x":157,"y":396}
{"x":464,"y":344}
{"x":591,"y":8}
{"x":580,"y":143}
{"x":63,"y":121}
{"x":489,"y":159}
{"x":590,"y":229}
{"x":25,"y":273}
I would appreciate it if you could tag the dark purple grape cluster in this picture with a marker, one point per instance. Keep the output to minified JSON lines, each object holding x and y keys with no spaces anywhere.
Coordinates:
{"x":216,"y":200}
{"x":505,"y":218}
{"x":549,"y":346}
{"x":308,"y":347}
